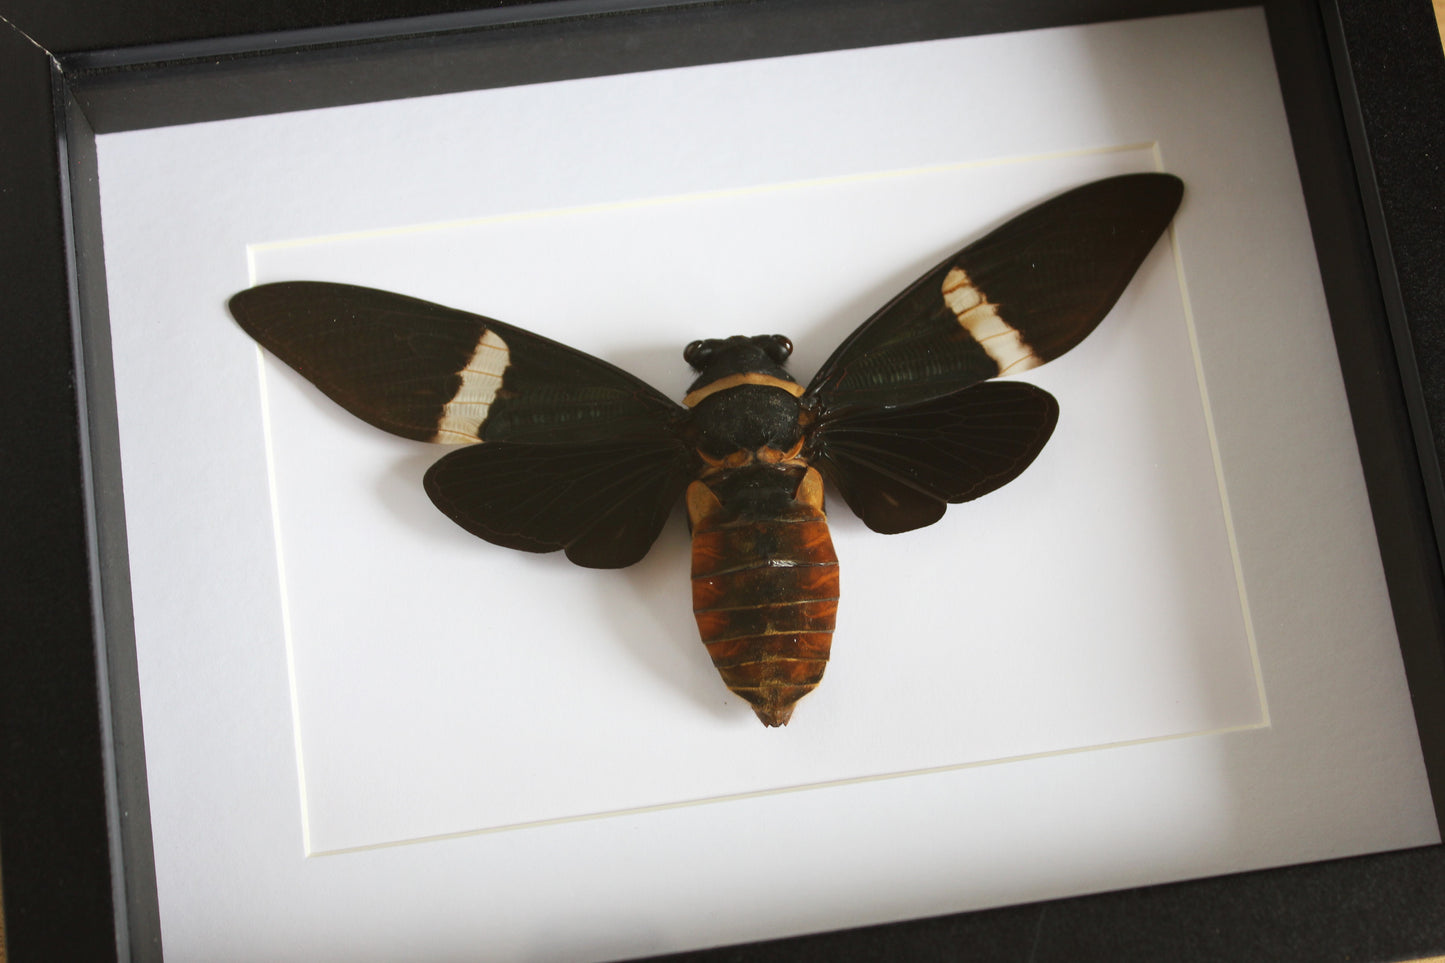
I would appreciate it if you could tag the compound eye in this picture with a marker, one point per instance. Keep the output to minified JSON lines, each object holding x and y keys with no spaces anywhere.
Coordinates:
{"x":778,"y":347}
{"x":697,"y":354}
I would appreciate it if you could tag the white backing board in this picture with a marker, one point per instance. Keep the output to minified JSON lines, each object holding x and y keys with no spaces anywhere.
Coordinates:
{"x":335,"y":740}
{"x":1094,"y":601}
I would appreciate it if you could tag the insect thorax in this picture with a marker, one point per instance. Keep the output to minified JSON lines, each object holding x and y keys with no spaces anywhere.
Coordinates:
{"x":744,"y":403}
{"x":746,"y":419}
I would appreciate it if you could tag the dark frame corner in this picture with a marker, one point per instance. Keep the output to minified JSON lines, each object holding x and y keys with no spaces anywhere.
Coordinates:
{"x":1363,"y":82}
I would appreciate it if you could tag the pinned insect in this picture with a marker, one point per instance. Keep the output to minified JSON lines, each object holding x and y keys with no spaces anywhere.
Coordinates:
{"x":578,"y":455}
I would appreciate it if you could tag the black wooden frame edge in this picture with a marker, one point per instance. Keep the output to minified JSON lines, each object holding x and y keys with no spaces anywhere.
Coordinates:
{"x":1383,"y":73}
{"x":54,"y":828}
{"x":54,"y":841}
{"x":111,"y":34}
{"x":132,"y":859}
{"x":304,"y":63}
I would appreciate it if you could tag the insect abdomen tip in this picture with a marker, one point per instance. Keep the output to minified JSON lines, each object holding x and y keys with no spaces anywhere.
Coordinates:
{"x":773,"y":716}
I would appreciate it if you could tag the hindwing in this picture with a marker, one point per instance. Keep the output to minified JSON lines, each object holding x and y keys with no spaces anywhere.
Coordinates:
{"x":604,"y":503}
{"x":899,"y":468}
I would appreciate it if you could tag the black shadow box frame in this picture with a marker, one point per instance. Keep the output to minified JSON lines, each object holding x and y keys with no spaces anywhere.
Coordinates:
{"x":1362,"y":80}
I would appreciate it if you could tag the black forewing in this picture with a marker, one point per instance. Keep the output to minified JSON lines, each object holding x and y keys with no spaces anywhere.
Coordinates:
{"x":603,"y":502}
{"x":402,"y":364}
{"x":578,"y":454}
{"x":1044,"y":280}
{"x":899,"y":468}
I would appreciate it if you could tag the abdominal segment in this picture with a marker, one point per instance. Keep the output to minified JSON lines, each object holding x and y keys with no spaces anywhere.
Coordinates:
{"x":764,"y":583}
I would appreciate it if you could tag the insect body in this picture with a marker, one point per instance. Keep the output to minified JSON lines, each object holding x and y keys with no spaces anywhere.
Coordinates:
{"x":764,"y":575}
{"x":564,"y":451}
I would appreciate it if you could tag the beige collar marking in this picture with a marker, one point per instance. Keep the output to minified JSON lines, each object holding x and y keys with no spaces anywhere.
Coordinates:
{"x":746,"y":378}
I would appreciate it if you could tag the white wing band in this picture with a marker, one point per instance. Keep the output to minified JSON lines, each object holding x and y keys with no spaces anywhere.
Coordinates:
{"x":979,"y":318}
{"x":462,"y":417}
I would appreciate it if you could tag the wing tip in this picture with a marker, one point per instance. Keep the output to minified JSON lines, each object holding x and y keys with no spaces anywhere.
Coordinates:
{"x":1162,"y":191}
{"x":240,"y":304}
{"x":252,"y":307}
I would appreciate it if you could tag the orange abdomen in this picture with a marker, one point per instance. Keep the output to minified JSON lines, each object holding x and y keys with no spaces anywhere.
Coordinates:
{"x":765,"y":594}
